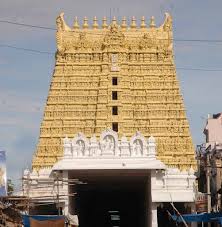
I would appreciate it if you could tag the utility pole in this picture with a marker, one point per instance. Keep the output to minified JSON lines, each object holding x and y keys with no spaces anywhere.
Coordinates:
{"x":208,"y":187}
{"x":178,"y":213}
{"x":28,"y":190}
{"x":57,"y":180}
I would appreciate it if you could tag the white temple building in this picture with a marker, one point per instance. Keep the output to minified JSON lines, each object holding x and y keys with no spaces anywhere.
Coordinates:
{"x":109,"y":161}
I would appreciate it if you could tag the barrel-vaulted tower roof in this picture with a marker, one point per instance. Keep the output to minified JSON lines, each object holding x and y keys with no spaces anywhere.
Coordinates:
{"x":115,"y":76}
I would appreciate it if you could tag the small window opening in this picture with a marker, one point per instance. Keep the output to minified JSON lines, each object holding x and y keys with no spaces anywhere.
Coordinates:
{"x":114,"y":81}
{"x":115,"y":110}
{"x":114,"y":95}
{"x":115,"y":127}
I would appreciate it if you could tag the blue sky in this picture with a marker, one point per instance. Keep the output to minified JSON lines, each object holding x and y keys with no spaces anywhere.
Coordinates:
{"x":25,"y":77}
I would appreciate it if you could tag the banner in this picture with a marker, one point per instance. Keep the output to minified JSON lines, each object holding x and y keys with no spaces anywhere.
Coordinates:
{"x":203,"y":217}
{"x":26,"y":219}
{"x":201,"y":202}
{"x":3,"y":180}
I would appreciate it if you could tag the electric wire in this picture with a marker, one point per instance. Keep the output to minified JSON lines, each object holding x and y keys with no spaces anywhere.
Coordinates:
{"x":51,"y":53}
{"x":27,"y":25}
{"x":54,"y":29}
{"x":26,"y":49}
{"x":199,"y":69}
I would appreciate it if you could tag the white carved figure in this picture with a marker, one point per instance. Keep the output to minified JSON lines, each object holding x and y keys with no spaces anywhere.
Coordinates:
{"x":94,"y":147}
{"x":67,"y":147}
{"x":81,"y":148}
{"x":74,"y":149}
{"x":109,"y":142}
{"x":138,"y":145}
{"x":108,"y":145}
{"x":124,"y":147}
{"x":80,"y":145}
{"x":112,"y":145}
{"x":137,"y":148}
{"x":152,"y":147}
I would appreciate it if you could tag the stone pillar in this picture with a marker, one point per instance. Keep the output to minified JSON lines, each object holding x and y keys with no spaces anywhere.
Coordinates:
{"x":148,"y":205}
{"x":154,"y":215}
{"x":65,"y":190}
{"x":193,"y":210}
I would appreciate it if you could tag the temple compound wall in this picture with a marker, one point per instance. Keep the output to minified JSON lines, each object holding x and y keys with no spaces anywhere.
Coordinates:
{"x":114,"y":106}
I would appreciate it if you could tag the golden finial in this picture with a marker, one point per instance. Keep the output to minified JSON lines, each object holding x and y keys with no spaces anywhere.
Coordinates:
{"x":95,"y":23}
{"x":85,"y":23}
{"x":104,"y":25}
{"x":124,"y":24}
{"x":76,"y":24}
{"x":152,"y":22}
{"x":143,"y":23}
{"x":133,"y":22}
{"x":114,"y":20}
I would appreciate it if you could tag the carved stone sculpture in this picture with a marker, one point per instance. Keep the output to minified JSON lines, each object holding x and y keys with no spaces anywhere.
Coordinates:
{"x":109,"y":146}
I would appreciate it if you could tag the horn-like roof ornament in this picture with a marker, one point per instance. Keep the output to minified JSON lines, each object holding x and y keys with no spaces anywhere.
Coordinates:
{"x":76,"y":23}
{"x":104,"y":24}
{"x":124,"y":24}
{"x":61,"y":24}
{"x":95,"y":23}
{"x":85,"y":23}
{"x":133,"y":22}
{"x":143,"y":23}
{"x":114,"y":22}
{"x":152,"y":22}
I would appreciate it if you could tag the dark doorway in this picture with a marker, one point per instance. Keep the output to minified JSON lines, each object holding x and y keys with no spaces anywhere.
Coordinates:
{"x":109,"y":204}
{"x":164,"y":220}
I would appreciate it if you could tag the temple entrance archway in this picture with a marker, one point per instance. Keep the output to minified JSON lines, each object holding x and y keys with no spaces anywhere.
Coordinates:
{"x":112,"y":200}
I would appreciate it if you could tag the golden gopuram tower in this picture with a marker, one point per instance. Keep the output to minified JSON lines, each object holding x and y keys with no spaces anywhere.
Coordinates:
{"x":115,"y":76}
